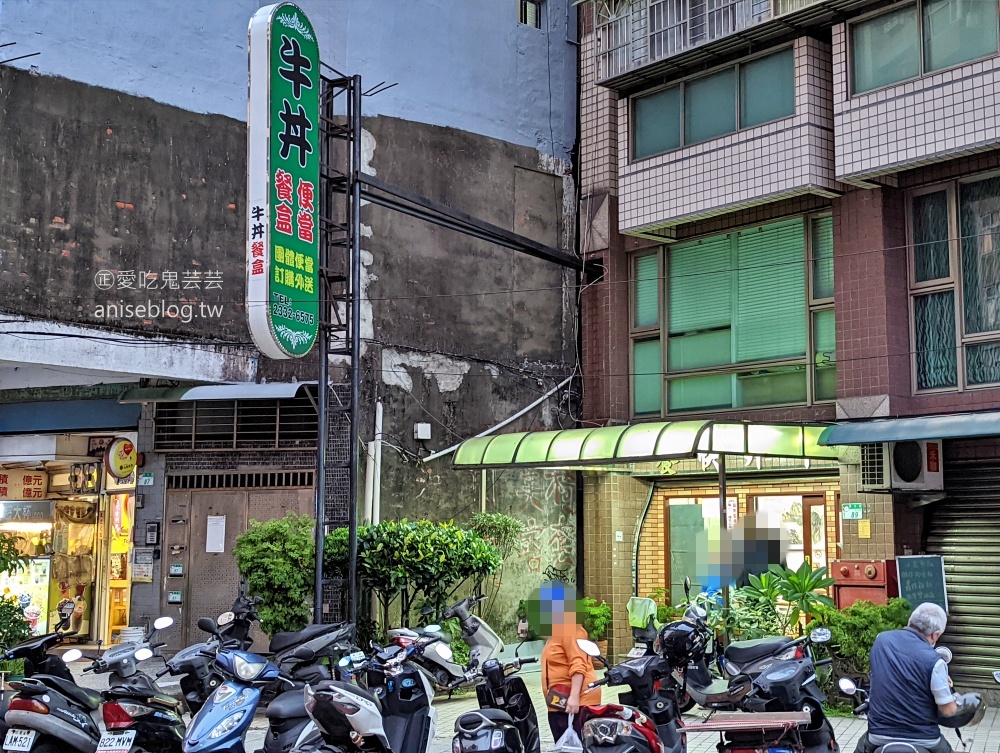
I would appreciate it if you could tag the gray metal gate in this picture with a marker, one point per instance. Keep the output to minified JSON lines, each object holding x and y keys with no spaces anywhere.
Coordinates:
{"x":965,"y":529}
{"x":208,"y":582}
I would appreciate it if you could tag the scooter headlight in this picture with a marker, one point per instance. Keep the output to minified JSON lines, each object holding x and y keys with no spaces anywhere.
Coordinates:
{"x":496,"y":739}
{"x":605,"y":731}
{"x":247,"y":670}
{"x":227,"y":725}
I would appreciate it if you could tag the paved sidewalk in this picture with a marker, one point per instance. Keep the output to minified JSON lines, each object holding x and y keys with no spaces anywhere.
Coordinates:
{"x":986,"y":739}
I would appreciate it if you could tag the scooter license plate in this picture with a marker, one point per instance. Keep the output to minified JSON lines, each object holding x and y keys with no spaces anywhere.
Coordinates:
{"x":639,"y":650}
{"x":116,"y":742}
{"x":19,"y":739}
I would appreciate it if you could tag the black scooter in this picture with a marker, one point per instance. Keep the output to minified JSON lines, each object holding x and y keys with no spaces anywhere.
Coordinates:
{"x":37,"y":659}
{"x":506,"y":720}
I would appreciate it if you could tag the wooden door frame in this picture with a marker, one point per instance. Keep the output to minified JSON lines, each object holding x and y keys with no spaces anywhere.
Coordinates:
{"x":806,"y":519}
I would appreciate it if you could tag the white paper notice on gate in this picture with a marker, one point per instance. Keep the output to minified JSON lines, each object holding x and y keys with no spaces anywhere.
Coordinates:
{"x":215,"y":539}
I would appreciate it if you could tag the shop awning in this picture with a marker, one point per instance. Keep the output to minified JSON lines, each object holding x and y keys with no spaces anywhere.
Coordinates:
{"x":646,"y":442}
{"x":245,"y":391}
{"x":954,"y":426}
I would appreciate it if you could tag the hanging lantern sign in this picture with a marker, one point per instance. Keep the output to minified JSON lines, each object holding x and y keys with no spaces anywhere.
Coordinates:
{"x":121,"y":458}
{"x":283,"y":157}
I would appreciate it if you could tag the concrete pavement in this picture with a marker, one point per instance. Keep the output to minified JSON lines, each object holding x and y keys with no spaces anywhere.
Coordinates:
{"x":985,"y":739}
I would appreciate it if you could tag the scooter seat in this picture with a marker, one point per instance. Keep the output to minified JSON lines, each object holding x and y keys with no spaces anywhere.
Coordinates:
{"x":86,"y":698}
{"x":282,"y":641}
{"x":900,"y":747}
{"x":744,"y":652}
{"x":472,"y":720}
{"x":288,"y":705}
{"x":125,"y":691}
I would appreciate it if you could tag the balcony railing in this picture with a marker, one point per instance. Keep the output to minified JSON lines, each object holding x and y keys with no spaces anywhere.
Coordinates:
{"x":632,"y":34}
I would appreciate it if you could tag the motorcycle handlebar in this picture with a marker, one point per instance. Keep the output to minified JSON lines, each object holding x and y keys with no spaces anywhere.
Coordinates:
{"x":602,"y":681}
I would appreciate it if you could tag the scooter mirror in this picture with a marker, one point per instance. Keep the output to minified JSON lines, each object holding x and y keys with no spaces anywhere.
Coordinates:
{"x":344,"y":662}
{"x":142,"y":654}
{"x":74,"y":654}
{"x":945,"y":653}
{"x":304,"y":653}
{"x":589,"y":647}
{"x":162,"y":623}
{"x":847,"y":686}
{"x":687,"y":586}
{"x":225,"y":618}
{"x":820,"y":635}
{"x":207,"y":625}
{"x":432,"y":629}
{"x":67,"y":609}
{"x":427,"y":611}
{"x":996,"y":675}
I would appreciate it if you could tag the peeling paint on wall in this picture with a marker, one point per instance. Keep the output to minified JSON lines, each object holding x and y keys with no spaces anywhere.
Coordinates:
{"x":448,"y":372}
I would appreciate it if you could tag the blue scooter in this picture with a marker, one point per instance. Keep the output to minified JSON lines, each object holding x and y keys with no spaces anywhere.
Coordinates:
{"x":220,"y":725}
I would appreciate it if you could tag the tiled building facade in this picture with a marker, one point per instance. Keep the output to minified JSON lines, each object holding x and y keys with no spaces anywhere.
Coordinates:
{"x":820,"y":248}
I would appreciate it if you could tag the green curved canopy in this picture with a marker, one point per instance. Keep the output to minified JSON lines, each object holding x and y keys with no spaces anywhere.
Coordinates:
{"x":645,"y":442}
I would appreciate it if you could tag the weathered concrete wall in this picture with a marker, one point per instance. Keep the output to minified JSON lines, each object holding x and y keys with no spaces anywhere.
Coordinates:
{"x":469,"y":65}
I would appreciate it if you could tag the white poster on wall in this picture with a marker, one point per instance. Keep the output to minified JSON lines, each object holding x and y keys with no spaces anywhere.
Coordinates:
{"x":215,"y":539}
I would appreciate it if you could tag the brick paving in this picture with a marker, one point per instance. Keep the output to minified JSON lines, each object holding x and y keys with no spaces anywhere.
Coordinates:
{"x":985,"y":740}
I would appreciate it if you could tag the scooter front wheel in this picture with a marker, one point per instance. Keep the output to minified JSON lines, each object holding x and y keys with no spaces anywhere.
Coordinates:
{"x":687,"y":703}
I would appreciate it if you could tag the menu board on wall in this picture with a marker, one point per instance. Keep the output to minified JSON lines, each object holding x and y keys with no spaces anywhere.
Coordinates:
{"x":23,"y":485}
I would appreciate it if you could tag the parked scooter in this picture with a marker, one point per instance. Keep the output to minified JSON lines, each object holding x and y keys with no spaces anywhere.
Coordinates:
{"x":34,"y":652}
{"x":968,"y":717}
{"x":223,"y":720}
{"x":394,"y":715}
{"x":646,"y":719}
{"x":50,"y":714}
{"x":506,"y":719}
{"x":484,"y":644}
{"x":784,"y":686}
{"x":196,"y":664}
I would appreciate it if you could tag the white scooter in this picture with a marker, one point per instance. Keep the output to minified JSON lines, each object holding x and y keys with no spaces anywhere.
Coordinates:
{"x":395,"y":714}
{"x":447,"y":674}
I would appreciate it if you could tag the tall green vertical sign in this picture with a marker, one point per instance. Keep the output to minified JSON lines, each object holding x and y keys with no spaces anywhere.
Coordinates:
{"x":283,"y":157}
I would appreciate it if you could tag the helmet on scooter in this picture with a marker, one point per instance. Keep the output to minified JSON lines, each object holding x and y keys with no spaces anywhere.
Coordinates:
{"x":971,"y":710}
{"x":679,"y":641}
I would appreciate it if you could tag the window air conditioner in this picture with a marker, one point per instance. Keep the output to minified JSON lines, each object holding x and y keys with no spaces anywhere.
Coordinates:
{"x":902,"y":466}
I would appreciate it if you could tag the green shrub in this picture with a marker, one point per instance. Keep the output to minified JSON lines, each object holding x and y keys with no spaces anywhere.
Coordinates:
{"x":276,"y":559}
{"x":596,"y":618}
{"x":14,"y":627}
{"x":854,"y":631}
{"x":459,"y":647}
{"x":522,"y":614}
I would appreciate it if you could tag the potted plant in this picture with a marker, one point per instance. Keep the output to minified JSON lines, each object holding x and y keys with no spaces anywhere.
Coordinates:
{"x":596,"y":621}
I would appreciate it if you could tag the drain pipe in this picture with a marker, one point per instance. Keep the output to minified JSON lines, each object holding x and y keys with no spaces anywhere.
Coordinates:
{"x":635,"y":544}
{"x":377,"y":481}
{"x":506,"y":421}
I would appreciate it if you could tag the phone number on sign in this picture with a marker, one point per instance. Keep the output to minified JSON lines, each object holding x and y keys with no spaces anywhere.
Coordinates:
{"x":287,"y":312}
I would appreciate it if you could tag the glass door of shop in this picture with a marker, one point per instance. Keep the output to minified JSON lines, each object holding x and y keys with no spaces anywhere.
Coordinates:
{"x":114,"y":585}
{"x":692,"y":524}
{"x":803,"y":522}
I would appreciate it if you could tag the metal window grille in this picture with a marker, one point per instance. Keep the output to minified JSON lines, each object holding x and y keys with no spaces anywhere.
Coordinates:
{"x":612,"y":38}
{"x":531,"y":13}
{"x":872,"y":465}
{"x":677,"y":25}
{"x":262,"y":480}
{"x":236,"y":425}
{"x":668,"y":27}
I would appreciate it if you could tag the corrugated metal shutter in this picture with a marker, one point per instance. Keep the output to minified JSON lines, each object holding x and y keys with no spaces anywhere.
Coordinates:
{"x":965,"y":529}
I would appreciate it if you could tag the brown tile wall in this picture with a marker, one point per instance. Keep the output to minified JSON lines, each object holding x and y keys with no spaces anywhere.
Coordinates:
{"x":612,"y":503}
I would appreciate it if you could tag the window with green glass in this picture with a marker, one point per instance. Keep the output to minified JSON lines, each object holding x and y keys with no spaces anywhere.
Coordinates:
{"x":646,"y":310}
{"x":657,"y":123}
{"x":740,"y":298}
{"x":934,"y":327}
{"x":885,"y":49}
{"x":921,"y":38}
{"x":979,"y":225}
{"x":957,"y":31}
{"x":767,"y":88}
{"x":825,"y":354}
{"x":930,"y":237}
{"x":822,"y":258}
{"x":710,"y":106}
{"x":760,"y":90}
{"x":647,"y":377}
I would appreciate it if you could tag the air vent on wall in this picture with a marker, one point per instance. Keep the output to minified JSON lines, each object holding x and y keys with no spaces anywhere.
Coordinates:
{"x":263,"y":480}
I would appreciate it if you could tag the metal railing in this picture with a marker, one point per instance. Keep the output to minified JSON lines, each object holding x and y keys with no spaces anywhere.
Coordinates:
{"x":634,"y":33}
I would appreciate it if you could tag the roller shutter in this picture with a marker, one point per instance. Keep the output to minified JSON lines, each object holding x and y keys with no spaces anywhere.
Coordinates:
{"x":965,"y":529}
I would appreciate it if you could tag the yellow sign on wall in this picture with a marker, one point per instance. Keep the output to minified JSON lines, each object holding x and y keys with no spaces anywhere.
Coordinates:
{"x":864,"y":529}
{"x":121,"y":457}
{"x":23,"y":485}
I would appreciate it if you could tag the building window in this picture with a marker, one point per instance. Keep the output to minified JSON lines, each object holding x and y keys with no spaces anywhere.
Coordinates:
{"x":741,"y":323}
{"x":754,"y":92}
{"x":955,"y":284}
{"x":530,"y":13}
{"x":921,"y":38}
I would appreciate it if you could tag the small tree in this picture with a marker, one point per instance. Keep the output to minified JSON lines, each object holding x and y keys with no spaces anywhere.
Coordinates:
{"x":504,"y":533}
{"x":276,"y":559}
{"x":14,"y":626}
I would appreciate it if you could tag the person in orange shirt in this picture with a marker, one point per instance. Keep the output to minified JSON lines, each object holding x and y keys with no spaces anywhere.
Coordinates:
{"x":566,"y":669}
